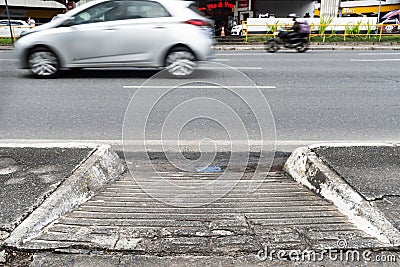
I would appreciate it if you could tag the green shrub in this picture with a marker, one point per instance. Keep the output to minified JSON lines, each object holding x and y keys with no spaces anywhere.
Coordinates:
{"x":5,"y":41}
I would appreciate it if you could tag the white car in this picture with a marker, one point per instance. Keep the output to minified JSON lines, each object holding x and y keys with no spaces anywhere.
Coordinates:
{"x":119,"y":33}
{"x":17,"y":26}
{"x":237,"y":30}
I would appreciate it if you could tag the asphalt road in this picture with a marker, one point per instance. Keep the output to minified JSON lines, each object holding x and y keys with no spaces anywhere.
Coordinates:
{"x":318,"y":96}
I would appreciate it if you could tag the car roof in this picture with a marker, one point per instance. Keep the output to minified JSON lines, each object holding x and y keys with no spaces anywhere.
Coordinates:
{"x":173,"y":6}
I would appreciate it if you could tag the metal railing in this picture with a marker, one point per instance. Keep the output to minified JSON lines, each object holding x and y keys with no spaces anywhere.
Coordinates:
{"x":16,"y":31}
{"x":327,"y":30}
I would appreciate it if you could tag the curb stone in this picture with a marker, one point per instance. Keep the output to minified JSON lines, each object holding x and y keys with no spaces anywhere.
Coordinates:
{"x":307,"y":169}
{"x":107,"y":260}
{"x":97,"y":170}
{"x":312,"y":47}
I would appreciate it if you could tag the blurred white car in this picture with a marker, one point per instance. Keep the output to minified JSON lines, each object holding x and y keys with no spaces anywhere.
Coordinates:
{"x":17,"y":26}
{"x":237,"y":30}
{"x":119,"y":33}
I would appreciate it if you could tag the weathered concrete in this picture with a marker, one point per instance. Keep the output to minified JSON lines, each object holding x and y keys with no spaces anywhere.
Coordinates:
{"x":91,"y":175}
{"x":373,"y":171}
{"x":391,"y":259}
{"x":306,"y":167}
{"x":30,"y":174}
{"x":279,"y":213}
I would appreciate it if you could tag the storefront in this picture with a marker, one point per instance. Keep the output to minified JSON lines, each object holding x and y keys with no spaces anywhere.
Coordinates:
{"x":40,"y":11}
{"x":226,"y":13}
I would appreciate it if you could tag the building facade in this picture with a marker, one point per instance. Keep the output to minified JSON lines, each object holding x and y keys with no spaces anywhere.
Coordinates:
{"x":41,"y":11}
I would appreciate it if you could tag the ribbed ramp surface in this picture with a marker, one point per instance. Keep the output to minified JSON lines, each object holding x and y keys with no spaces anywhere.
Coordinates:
{"x":280,"y":214}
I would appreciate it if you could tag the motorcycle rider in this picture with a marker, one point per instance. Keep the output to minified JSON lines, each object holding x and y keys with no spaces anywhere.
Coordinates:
{"x":297,"y":30}
{"x":296,"y":37}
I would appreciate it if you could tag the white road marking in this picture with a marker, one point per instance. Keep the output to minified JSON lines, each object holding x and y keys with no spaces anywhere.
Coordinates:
{"x":191,"y":145}
{"x":375,"y":60}
{"x":242,"y":54}
{"x":200,"y":87}
{"x":233,"y":67}
{"x":221,"y":59}
{"x":374,"y":54}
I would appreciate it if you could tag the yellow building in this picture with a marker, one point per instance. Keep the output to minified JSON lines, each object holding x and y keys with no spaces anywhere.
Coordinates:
{"x":363,"y":8}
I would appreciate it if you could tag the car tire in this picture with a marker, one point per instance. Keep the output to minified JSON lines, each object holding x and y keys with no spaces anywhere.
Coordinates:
{"x":180,"y":62}
{"x":43,"y":63}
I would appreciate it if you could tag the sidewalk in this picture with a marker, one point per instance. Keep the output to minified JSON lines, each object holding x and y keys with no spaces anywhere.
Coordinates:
{"x":317,"y":46}
{"x":98,"y":215}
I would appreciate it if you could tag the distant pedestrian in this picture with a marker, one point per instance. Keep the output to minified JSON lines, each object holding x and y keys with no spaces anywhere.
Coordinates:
{"x":31,"y":22}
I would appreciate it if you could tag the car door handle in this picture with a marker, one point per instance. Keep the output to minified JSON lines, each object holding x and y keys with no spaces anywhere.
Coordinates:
{"x":159,"y":27}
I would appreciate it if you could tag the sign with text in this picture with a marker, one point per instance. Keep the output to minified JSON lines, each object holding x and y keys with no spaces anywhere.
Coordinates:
{"x":244,"y":4}
{"x":220,"y":5}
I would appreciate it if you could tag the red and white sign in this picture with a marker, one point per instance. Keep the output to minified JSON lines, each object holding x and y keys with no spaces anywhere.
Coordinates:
{"x":70,"y":5}
{"x":220,"y":4}
{"x":243,"y":4}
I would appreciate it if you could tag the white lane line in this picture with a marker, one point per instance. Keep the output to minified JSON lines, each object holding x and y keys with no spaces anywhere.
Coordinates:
{"x":233,"y":67}
{"x":375,"y":60}
{"x":221,"y":59}
{"x":201,"y":87}
{"x":7,"y":59}
{"x":380,"y":53}
{"x":242,"y":54}
{"x":189,"y":143}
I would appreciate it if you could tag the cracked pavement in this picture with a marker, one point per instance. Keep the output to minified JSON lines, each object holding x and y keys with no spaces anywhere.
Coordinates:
{"x":373,"y":171}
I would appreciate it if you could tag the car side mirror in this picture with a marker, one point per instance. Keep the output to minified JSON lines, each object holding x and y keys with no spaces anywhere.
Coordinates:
{"x":69,"y":22}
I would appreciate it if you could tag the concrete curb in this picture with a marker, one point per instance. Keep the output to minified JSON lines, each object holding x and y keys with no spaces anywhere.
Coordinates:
{"x":312,"y":47}
{"x":307,"y":169}
{"x":91,"y":175}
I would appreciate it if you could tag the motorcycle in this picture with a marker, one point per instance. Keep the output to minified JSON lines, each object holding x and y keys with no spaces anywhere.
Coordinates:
{"x":298,"y":41}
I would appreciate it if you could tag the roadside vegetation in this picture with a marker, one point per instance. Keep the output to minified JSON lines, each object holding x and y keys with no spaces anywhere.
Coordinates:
{"x":5,"y":41}
{"x":334,"y":38}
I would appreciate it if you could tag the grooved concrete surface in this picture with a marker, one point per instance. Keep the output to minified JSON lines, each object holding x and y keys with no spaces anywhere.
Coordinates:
{"x":280,"y":214}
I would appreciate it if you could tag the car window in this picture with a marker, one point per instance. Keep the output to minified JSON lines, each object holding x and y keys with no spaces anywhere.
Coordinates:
{"x":196,"y":10}
{"x":16,"y":23}
{"x":145,"y":9}
{"x":107,"y":11}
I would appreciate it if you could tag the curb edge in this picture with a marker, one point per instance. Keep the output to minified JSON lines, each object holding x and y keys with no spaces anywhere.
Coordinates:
{"x":307,"y":169}
{"x":101,"y":167}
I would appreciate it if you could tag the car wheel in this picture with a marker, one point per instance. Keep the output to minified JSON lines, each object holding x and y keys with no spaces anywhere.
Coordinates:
{"x":272,"y":46}
{"x":180,"y":61}
{"x":43,"y":63}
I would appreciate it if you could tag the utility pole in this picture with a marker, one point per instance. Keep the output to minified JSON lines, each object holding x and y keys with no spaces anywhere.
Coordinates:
{"x":329,"y":8}
{"x":9,"y":23}
{"x":379,"y":11}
